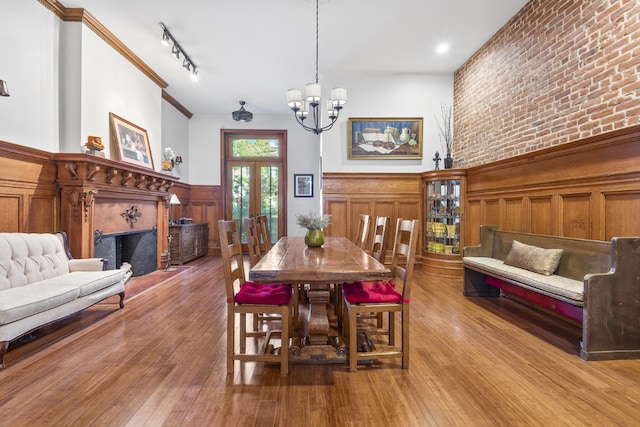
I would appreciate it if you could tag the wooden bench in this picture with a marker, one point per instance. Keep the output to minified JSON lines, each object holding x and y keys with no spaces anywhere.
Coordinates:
{"x":607,"y":305}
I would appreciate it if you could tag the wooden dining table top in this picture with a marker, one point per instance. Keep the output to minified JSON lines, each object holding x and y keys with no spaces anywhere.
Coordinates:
{"x":337,"y":261}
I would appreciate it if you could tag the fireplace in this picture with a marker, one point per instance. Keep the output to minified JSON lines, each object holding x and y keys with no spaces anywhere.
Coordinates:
{"x":139,"y":248}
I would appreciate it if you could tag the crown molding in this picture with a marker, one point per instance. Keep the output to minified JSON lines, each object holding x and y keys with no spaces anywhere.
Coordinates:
{"x":81,"y":15}
{"x":171,"y":100}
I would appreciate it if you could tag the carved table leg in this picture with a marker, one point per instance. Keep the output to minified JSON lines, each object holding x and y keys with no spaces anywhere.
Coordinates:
{"x":318,"y":319}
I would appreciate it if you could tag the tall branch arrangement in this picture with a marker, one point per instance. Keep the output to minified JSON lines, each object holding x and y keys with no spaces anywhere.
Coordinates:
{"x":445,"y":127}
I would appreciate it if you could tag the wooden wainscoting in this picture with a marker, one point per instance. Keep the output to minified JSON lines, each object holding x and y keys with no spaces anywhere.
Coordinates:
{"x":586,"y":189}
{"x":28,"y":192}
{"x":205,"y":205}
{"x":347,"y":195}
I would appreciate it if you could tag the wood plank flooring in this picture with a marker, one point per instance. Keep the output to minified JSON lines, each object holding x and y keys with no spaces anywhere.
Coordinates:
{"x":161,"y":361}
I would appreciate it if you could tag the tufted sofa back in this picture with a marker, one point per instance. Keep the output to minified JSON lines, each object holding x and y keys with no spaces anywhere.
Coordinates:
{"x":27,"y":258}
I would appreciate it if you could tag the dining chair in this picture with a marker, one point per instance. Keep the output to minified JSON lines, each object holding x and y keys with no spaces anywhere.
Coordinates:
{"x":363,"y":231}
{"x":262,"y":222}
{"x":255,"y":255}
{"x":385,"y":297}
{"x":251,"y":298}
{"x":379,"y":252}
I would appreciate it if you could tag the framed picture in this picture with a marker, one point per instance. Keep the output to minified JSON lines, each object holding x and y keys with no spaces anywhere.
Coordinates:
{"x":130,"y":141}
{"x":303,"y":185}
{"x":385,"y":138}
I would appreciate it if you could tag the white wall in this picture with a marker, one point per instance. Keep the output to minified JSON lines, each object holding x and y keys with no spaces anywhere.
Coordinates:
{"x":111,"y":84}
{"x":175,"y":134}
{"x":29,"y":65}
{"x":386,"y":96}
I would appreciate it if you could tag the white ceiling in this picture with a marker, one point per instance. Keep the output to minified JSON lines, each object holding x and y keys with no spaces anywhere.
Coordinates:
{"x":254,"y":50}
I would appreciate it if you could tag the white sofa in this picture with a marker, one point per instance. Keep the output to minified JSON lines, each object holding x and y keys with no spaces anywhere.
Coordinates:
{"x":41,"y":283}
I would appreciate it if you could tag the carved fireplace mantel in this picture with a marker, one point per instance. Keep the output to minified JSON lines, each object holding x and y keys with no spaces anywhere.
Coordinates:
{"x":95,"y":191}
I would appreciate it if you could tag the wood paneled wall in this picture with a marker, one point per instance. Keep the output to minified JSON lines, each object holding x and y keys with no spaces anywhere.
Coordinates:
{"x":29,"y":199}
{"x":587,"y":189}
{"x":42,"y":192}
{"x":347,"y":195}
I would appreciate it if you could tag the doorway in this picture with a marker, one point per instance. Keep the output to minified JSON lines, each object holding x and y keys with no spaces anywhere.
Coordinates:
{"x":254,"y":177}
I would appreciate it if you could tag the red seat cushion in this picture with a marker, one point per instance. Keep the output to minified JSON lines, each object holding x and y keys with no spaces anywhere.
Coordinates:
{"x":263,"y":294}
{"x":370,"y":292}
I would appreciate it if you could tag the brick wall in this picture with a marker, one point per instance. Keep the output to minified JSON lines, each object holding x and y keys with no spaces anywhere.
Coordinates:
{"x":558,"y":71}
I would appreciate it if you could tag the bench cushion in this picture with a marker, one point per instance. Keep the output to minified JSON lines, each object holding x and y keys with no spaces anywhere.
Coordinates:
{"x":24,"y":301}
{"x":560,"y":287}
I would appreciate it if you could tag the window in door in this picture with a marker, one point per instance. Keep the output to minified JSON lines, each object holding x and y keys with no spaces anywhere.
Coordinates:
{"x":254,"y":171}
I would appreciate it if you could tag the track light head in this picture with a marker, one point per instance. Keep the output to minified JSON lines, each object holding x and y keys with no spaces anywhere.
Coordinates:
{"x":166,"y":40}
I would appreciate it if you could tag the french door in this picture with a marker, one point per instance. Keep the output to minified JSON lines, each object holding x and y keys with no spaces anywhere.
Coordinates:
{"x":255,"y":178}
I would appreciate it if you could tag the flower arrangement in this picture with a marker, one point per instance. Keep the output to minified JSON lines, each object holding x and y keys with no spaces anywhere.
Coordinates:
{"x":312,"y":221}
{"x":445,"y":128}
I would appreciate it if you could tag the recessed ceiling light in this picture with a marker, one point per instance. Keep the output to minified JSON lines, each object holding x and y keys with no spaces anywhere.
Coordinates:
{"x":442,"y":48}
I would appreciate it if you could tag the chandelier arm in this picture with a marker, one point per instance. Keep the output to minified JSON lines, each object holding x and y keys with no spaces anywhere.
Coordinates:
{"x":301,"y":122}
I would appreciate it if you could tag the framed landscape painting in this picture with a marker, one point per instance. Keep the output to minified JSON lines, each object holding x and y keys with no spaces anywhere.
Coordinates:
{"x":385,"y":138}
{"x":131,"y":142}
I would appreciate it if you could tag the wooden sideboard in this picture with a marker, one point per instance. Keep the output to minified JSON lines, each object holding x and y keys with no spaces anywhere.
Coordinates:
{"x":188,"y":242}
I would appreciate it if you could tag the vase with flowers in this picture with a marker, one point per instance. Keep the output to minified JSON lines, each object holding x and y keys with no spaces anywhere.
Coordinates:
{"x":314,"y":223}
{"x":445,"y":130}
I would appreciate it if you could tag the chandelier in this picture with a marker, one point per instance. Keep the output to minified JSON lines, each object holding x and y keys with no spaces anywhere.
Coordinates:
{"x":311,"y":104}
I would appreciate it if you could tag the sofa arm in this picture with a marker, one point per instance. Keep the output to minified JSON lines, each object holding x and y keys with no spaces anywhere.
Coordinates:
{"x":87,"y":264}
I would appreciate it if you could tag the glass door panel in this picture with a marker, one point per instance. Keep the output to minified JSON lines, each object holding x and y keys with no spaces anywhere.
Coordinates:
{"x":240,"y":196}
{"x":270,"y":197}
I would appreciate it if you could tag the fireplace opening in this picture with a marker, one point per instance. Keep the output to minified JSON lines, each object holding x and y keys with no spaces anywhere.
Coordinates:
{"x":139,"y":248}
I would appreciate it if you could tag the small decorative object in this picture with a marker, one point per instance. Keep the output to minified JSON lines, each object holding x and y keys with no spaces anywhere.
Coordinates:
{"x":94,"y":146}
{"x":131,"y":215}
{"x":437,"y":159}
{"x":303,"y":185}
{"x":168,"y":159}
{"x":445,"y":130}
{"x":314,"y":224}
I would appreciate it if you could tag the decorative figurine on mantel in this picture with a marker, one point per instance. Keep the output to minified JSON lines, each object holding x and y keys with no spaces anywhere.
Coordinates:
{"x":94,"y":146}
{"x":169,"y":161}
{"x":437,"y":160}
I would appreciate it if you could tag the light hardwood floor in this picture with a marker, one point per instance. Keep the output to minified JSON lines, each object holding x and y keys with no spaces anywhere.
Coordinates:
{"x":161,"y":361}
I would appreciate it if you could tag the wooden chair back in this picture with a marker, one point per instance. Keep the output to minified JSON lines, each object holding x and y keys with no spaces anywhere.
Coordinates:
{"x":232,"y":257}
{"x":253,"y":240}
{"x":262,"y":223}
{"x":363,"y":231}
{"x":380,"y":237}
{"x":404,"y":254}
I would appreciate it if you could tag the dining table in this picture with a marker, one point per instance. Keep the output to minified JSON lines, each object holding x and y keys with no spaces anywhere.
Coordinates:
{"x":337,"y":261}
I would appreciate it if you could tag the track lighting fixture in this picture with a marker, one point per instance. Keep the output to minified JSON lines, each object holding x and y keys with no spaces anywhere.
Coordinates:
{"x":177,"y":50}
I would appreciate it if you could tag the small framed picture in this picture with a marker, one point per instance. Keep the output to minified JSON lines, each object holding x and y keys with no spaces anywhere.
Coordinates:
{"x":131,"y":142}
{"x":303,"y":185}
